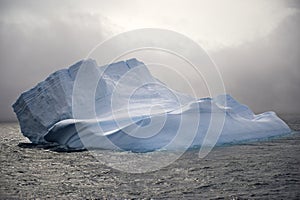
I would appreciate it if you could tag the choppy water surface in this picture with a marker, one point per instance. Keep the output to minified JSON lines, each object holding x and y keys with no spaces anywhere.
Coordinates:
{"x":266,"y":169}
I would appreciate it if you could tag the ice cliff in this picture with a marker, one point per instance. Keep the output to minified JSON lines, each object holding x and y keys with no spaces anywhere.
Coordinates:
{"x":45,"y":112}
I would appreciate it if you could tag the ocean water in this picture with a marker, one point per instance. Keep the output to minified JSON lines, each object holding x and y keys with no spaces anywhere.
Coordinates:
{"x":268,"y":169}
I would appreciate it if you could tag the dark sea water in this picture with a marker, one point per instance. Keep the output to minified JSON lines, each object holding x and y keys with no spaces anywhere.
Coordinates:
{"x":267,"y":169}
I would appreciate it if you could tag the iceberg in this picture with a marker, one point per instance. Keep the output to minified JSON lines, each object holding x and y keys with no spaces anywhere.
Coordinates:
{"x":133,"y":111}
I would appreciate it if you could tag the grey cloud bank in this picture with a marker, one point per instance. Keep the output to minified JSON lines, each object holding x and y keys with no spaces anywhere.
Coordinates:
{"x":37,"y":38}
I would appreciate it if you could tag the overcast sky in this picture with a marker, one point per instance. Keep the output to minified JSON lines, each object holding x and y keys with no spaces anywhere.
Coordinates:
{"x":255,"y":43}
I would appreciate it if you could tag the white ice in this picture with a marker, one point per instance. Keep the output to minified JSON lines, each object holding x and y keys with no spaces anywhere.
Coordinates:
{"x":133,"y":111}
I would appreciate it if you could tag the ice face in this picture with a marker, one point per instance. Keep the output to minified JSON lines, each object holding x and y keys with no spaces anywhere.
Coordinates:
{"x":134,"y":111}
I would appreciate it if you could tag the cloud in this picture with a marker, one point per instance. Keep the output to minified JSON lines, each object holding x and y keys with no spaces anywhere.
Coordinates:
{"x":248,"y":39}
{"x":264,"y":74}
{"x":215,"y":24}
{"x":36,"y":40}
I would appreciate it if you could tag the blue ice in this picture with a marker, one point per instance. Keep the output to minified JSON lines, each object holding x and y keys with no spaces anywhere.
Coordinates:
{"x":134,"y":111}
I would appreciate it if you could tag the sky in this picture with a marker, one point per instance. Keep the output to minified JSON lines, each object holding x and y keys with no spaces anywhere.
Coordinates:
{"x":254,"y":43}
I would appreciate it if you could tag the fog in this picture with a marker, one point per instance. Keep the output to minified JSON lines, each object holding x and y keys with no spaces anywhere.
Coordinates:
{"x":254,"y":43}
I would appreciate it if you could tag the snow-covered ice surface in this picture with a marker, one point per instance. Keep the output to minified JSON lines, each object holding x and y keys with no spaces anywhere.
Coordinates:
{"x":155,"y":113}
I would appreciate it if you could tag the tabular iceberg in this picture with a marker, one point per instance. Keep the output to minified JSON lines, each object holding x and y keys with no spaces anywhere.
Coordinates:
{"x":147,"y":119}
